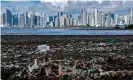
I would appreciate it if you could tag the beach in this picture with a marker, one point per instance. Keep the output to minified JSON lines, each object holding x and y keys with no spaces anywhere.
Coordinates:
{"x":18,"y":51}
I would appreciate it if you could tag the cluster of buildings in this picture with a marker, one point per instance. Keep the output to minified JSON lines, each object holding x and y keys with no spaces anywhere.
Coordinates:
{"x":96,"y":18}
{"x":99,"y":18}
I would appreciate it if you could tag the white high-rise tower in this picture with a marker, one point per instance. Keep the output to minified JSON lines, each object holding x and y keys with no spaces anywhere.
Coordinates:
{"x":83,"y":17}
{"x":96,"y":17}
{"x":131,"y":22}
{"x":126,"y":19}
{"x":92,"y":19}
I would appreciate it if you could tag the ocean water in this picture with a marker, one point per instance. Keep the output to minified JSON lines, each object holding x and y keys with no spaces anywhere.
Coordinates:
{"x":39,"y":31}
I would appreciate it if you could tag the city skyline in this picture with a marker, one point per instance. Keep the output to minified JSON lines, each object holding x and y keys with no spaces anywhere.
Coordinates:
{"x":84,"y":14}
{"x":97,"y":19}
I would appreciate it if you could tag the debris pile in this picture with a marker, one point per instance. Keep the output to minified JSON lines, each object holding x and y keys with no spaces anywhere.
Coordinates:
{"x":68,"y":60}
{"x":111,"y":68}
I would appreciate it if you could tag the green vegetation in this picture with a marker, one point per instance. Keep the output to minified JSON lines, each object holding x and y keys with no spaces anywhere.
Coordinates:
{"x":129,"y":26}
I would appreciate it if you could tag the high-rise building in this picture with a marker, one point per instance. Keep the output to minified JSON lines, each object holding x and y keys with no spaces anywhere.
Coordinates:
{"x":41,"y":21}
{"x":44,"y":20}
{"x":8,"y":18}
{"x":122,"y":21}
{"x":61,"y":21}
{"x":96,"y":17}
{"x":112,"y":20}
{"x":31,"y":20}
{"x":38,"y":21}
{"x":35,"y":20}
{"x":131,"y":21}
{"x":54,"y":20}
{"x":15,"y":20}
{"x":131,"y":13}
{"x":21,"y":20}
{"x":71,"y":21}
{"x":127,"y":21}
{"x":79,"y":20}
{"x":67,"y":20}
{"x":60,"y":14}
{"x":83,"y":17}
{"x":51,"y":24}
{"x":75,"y":22}
{"x":117,"y":20}
{"x":88,"y":19}
{"x":103,"y":19}
{"x":57,"y":22}
{"x":51,"y":19}
{"x":26,"y":18}
{"x":3,"y":19}
{"x":108,"y":19}
{"x":64,"y":21}
{"x":100,"y":19}
{"x":92,"y":19}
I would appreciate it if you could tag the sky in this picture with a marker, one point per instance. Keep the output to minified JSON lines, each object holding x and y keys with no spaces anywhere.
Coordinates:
{"x":51,"y":7}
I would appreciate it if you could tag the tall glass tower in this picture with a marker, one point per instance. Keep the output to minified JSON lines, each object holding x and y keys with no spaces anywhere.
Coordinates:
{"x":8,"y":17}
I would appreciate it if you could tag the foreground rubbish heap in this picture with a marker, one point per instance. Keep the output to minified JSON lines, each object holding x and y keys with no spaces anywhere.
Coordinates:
{"x":68,"y":60}
{"x":94,"y":69}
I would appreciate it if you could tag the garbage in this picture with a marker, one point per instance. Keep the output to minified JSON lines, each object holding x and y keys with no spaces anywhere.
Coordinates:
{"x":69,"y":60}
{"x":42,"y":48}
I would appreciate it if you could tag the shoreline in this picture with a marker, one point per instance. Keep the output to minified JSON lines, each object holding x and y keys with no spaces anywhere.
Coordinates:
{"x":45,"y":38}
{"x":73,"y":28}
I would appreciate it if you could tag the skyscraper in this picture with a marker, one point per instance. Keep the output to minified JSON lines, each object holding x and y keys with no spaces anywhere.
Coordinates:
{"x":21,"y":20}
{"x":26,"y":18}
{"x":44,"y":20}
{"x":31,"y":20}
{"x":126,"y":19}
{"x":103,"y":19}
{"x":108,"y":19}
{"x":60,"y":14}
{"x":51,"y":19}
{"x":122,"y":21}
{"x":131,"y":13}
{"x":75,"y":22}
{"x":41,"y":21}
{"x":117,"y":20}
{"x":38,"y":21}
{"x":131,"y":17}
{"x":51,"y":24}
{"x":15,"y":19}
{"x":92,"y":19}
{"x":88,"y":19}
{"x":35,"y":20}
{"x":67,"y":20}
{"x":83,"y":17}
{"x":54,"y":20}
{"x":3,"y":19}
{"x":8,"y":18}
{"x":96,"y":17}
{"x":61,"y":21}
{"x":112,"y":19}
{"x":71,"y":21}
{"x":79,"y":20}
{"x":100,"y":19}
{"x":57,"y":22}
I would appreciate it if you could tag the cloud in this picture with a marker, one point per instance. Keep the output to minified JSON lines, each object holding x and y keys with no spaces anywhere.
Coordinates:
{"x":51,"y":7}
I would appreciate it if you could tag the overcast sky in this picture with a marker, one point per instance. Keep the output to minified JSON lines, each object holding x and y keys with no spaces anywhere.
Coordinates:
{"x":51,"y":7}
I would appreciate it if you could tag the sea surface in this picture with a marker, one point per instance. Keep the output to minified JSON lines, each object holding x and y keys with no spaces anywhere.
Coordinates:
{"x":40,"y":31}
